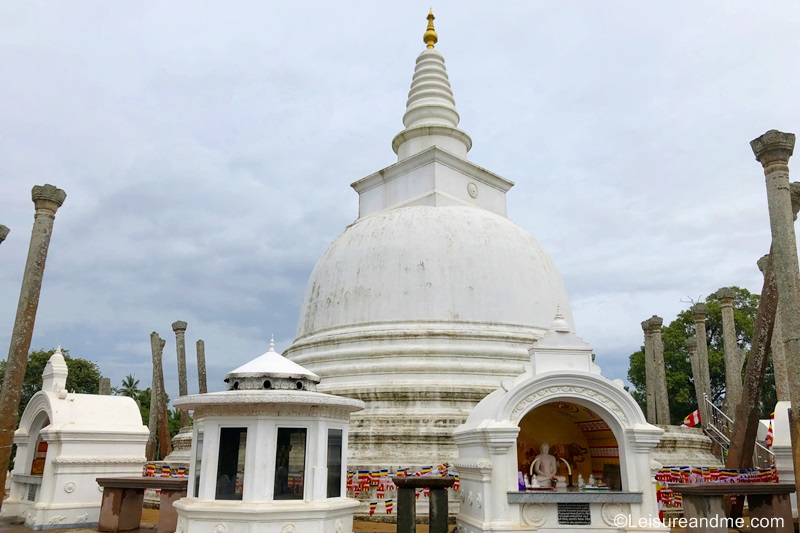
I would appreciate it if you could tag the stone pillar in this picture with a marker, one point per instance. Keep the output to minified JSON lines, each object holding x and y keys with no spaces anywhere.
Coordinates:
{"x":3,"y":232}
{"x":179,"y":327}
{"x":104,"y":387}
{"x":47,"y":199}
{"x":159,"y":417}
{"x":661,"y":393}
{"x":649,"y":374}
{"x":773,"y":150}
{"x":700,"y":311}
{"x":777,"y":351}
{"x":733,"y":355}
{"x":201,"y":367}
{"x":691,"y":347}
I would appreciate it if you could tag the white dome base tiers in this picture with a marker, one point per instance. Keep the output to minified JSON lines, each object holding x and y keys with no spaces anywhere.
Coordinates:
{"x":419,"y":381}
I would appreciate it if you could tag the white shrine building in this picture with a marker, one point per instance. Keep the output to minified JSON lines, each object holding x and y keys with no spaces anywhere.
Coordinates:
{"x":64,"y":442}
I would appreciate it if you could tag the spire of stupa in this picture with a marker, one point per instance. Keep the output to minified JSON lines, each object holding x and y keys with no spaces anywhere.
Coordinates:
{"x":431,"y":117}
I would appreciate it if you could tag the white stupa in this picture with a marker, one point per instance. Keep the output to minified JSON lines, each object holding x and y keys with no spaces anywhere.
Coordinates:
{"x":432,"y":296}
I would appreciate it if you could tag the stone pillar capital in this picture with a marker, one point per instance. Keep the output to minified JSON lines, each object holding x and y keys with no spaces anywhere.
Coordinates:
{"x":179,"y":325}
{"x":646,"y":326}
{"x":3,"y":232}
{"x":654,"y":323}
{"x":773,"y":148}
{"x":700,"y":311}
{"x":691,"y":343}
{"x":48,"y":197}
{"x":726,"y":296}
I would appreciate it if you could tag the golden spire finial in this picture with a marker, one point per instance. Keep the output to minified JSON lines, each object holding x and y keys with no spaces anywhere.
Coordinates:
{"x":430,"y":38}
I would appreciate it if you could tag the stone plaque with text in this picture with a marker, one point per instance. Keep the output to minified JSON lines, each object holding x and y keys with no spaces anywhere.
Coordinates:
{"x":574,"y":514}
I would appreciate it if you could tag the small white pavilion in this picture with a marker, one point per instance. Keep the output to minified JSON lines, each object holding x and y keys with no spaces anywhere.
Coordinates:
{"x":64,"y":442}
{"x":268,"y":454}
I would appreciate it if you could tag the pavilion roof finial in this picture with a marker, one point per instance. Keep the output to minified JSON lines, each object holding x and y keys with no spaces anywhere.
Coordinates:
{"x":430,"y":37}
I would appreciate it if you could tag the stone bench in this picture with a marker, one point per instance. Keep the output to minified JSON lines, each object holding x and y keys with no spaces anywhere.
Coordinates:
{"x":765,"y":500}
{"x":123,"y":497}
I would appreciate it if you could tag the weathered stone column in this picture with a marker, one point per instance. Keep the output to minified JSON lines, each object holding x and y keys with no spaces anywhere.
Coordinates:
{"x":104,"y":387}
{"x":649,"y":373}
{"x":3,"y":232}
{"x":159,"y":417}
{"x":691,"y":347}
{"x":777,"y":350}
{"x":773,"y":150}
{"x":179,"y":327}
{"x":700,"y":311}
{"x":201,"y":367}
{"x":47,"y":199}
{"x":661,"y":393}
{"x":733,"y":355}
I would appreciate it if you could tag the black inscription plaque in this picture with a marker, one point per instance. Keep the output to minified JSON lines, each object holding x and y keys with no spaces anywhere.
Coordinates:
{"x":574,"y":514}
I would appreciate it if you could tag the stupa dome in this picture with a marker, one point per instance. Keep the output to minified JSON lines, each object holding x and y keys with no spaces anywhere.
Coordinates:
{"x":434,"y":264}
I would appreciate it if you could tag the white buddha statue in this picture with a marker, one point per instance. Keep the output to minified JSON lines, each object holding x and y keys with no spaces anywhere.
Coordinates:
{"x":545,"y":465}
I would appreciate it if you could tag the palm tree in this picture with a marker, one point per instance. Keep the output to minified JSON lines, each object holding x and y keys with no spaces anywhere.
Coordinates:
{"x":130,"y":387}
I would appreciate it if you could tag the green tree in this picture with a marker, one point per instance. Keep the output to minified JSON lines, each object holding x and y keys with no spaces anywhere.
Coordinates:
{"x":680,"y":382}
{"x":83,"y":377}
{"x":143,"y":399}
{"x":129,"y":387}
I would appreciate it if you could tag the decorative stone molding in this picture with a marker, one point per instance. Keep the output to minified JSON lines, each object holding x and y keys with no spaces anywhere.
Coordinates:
{"x":69,"y":487}
{"x":221,"y":528}
{"x":288,"y":528}
{"x":476,"y":463}
{"x":56,"y":519}
{"x":339,"y":527}
{"x":534,"y":514}
{"x":611,"y":511}
{"x":82,"y":519}
{"x":98,"y":460}
{"x":590,"y":394}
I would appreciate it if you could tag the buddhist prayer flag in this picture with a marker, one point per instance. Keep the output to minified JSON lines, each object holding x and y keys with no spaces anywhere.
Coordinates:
{"x":389,"y":506}
{"x":427,"y":470}
{"x":770,"y":437}
{"x":693,"y":419}
{"x":372,"y":507}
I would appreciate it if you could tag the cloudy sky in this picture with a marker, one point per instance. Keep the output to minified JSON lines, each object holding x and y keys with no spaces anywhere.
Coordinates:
{"x":207,"y":150}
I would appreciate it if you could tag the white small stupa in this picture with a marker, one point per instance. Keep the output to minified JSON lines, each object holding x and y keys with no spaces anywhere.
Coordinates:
{"x":64,"y":442}
{"x":268,"y":454}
